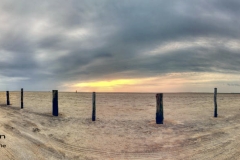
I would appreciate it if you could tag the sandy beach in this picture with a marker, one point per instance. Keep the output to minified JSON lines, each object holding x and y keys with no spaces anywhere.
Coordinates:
{"x":124,"y":128}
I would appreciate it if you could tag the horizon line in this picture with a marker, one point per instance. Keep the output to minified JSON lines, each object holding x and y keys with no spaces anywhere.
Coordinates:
{"x":123,"y":92}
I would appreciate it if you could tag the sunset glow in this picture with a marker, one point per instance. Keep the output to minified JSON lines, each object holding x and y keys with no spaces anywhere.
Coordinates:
{"x":111,"y":83}
{"x":173,"y":82}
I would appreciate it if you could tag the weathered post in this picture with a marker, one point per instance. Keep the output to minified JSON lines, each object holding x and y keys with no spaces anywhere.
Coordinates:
{"x":93,"y":106}
{"x":8,"y":101}
{"x":159,"y":111}
{"x":215,"y":102}
{"x":55,"y":103}
{"x":21,"y":98}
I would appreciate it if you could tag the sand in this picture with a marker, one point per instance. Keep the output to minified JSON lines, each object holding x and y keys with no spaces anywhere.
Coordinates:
{"x":124,"y":128}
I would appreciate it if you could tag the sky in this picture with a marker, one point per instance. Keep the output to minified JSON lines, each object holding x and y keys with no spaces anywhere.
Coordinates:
{"x":120,"y":46}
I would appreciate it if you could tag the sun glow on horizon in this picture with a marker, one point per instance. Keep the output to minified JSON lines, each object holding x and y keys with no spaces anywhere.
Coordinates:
{"x":111,"y":83}
{"x":173,"y":82}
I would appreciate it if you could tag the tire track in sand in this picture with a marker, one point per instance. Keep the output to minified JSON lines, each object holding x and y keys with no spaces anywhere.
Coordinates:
{"x":203,"y":149}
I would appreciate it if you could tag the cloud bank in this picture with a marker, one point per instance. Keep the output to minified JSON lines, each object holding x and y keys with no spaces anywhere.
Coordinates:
{"x":61,"y":44}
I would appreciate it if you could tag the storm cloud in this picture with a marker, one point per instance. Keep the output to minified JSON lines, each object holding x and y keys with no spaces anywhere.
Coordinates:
{"x":56,"y":43}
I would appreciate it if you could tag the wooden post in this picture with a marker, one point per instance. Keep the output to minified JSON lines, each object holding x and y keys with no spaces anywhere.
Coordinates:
{"x":159,"y":111}
{"x":55,"y":103}
{"x":21,"y":98}
{"x":93,"y":106}
{"x":8,"y":101}
{"x":215,"y":102}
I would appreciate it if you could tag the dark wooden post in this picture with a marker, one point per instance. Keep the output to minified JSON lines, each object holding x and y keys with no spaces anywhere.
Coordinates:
{"x":215,"y":102}
{"x":8,"y":101}
{"x":21,"y":98}
{"x":55,"y":103}
{"x":93,"y":106}
{"x":159,"y":111}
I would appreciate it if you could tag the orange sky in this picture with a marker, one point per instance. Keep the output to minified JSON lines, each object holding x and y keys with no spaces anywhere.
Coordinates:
{"x":174,"y":82}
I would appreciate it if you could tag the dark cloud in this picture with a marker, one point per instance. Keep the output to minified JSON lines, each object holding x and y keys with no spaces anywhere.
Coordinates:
{"x":55,"y":42}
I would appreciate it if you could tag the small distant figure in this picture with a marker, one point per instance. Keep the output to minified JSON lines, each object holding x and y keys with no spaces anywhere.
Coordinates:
{"x":76,"y":91}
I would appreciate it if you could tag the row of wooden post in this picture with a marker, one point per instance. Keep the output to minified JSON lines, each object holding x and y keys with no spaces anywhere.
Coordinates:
{"x":159,"y":105}
{"x":8,"y":99}
{"x":55,"y":103}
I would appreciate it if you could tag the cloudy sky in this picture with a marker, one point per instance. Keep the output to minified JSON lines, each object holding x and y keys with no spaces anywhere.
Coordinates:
{"x":120,"y":45}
